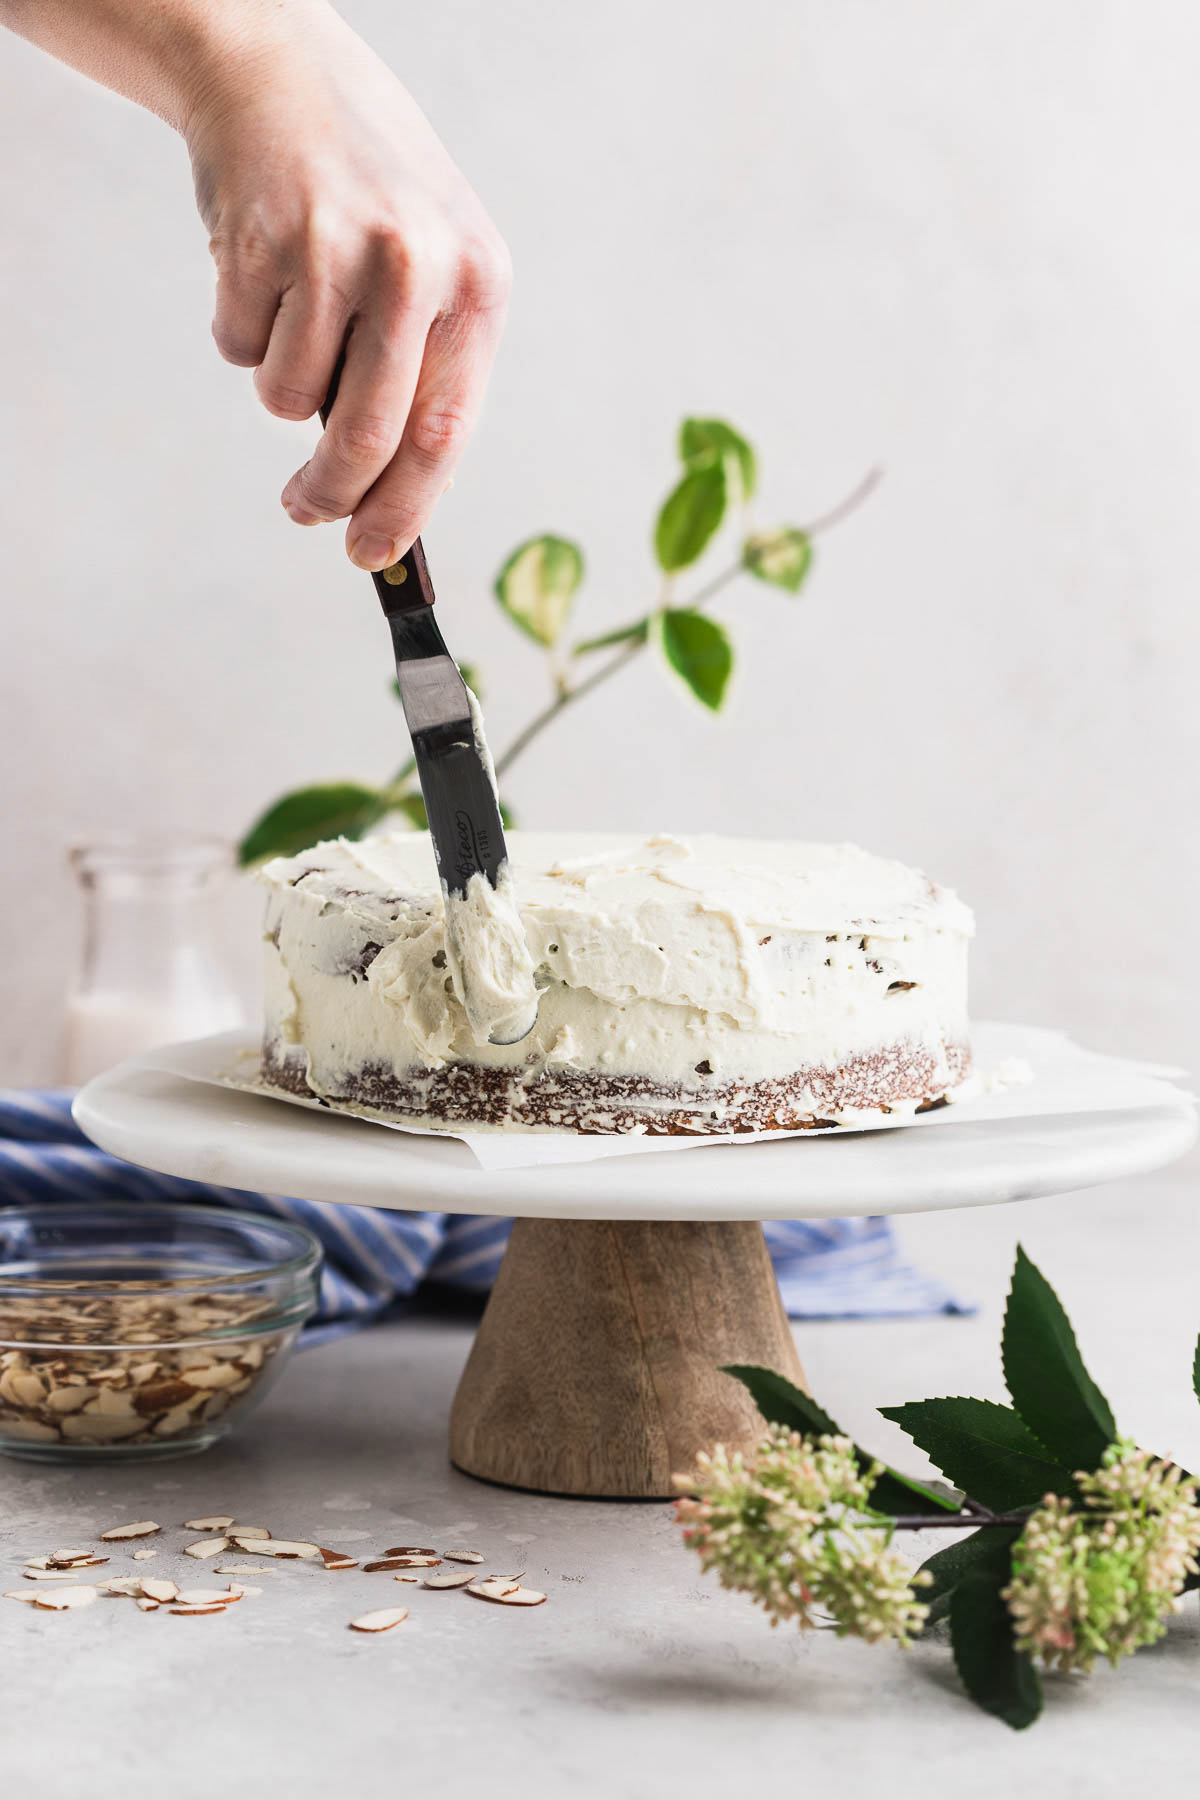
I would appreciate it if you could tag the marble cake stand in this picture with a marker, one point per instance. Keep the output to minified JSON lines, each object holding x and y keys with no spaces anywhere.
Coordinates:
{"x":627,"y":1281}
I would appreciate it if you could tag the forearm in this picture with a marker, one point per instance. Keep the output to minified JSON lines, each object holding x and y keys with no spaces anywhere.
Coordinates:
{"x":170,"y":56}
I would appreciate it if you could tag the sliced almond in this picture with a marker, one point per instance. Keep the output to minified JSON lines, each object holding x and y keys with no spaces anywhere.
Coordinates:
{"x":144,"y":1555}
{"x":243,"y":1569}
{"x":402,"y":1562}
{"x":255,"y":1532}
{"x":453,"y":1578}
{"x":69,"y":1399}
{"x":60,"y":1599}
{"x":37,"y":1562}
{"x":159,"y":1589}
{"x":218,"y":1522}
{"x":216,"y":1375}
{"x":101,"y":1428}
{"x":198,"y":1612}
{"x":48,"y":1574}
{"x":145,"y":1605}
{"x":381,"y":1620}
{"x":288,"y":1549}
{"x":208,"y":1596}
{"x":506,"y":1591}
{"x":410,"y":1550}
{"x":15,"y":1594}
{"x":121,"y":1584}
{"x":118,"y":1534}
{"x":333,"y":1559}
{"x":249,"y":1592}
{"x":463,"y":1556}
{"x":206,"y":1547}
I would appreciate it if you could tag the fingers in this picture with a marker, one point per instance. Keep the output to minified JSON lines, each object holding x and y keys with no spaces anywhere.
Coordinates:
{"x":445,"y":407}
{"x":247,"y":301}
{"x":309,"y":330}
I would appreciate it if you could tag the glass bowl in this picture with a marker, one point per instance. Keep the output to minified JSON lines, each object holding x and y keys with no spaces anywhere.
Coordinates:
{"x":142,"y":1331}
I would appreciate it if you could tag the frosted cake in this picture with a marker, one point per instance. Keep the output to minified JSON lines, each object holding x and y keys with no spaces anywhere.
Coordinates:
{"x":687,"y":985}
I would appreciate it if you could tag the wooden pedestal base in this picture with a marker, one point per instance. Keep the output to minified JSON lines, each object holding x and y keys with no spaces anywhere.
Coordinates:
{"x":595,"y":1368}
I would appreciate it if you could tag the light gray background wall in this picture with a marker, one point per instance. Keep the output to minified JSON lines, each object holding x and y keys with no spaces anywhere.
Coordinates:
{"x":961,"y":240}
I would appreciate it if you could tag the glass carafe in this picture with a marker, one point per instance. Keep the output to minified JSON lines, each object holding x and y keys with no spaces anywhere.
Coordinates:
{"x":151,"y":971}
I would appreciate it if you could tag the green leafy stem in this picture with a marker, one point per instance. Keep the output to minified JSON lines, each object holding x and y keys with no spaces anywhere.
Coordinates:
{"x":537,"y":589}
{"x":1002,"y":1462}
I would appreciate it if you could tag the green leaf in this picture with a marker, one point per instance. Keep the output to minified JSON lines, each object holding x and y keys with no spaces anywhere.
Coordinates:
{"x":537,"y":584}
{"x":782,"y":1403}
{"x":990,"y":1546}
{"x":473,"y":678}
{"x":703,"y":442}
{"x":782,"y":557}
{"x":413,"y":807}
{"x":690,"y":516}
{"x":1044,"y":1371}
{"x":997,"y":1676}
{"x":985,"y":1449}
{"x":623,"y":634}
{"x":508,"y":817}
{"x":310,"y":815}
{"x":698,"y":649}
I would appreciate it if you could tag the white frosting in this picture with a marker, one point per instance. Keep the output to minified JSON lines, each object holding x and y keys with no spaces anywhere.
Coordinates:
{"x":489,"y":959}
{"x":661,"y":957}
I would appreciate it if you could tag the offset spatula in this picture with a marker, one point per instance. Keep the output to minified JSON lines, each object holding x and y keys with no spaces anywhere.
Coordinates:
{"x":451,"y":756}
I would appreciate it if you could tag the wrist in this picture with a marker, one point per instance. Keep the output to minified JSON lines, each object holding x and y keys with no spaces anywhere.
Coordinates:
{"x":226,"y":50}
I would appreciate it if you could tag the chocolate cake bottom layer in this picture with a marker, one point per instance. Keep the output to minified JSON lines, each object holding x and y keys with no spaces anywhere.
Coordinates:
{"x":466,"y":1094}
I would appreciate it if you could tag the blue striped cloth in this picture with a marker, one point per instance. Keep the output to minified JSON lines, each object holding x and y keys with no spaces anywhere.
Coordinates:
{"x":827,"y":1268}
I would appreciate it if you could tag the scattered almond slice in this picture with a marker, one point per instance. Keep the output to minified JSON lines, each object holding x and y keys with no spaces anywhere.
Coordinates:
{"x":197,"y":1612}
{"x":28,"y":1596}
{"x":381,"y":1620}
{"x":60,"y":1599}
{"x":118,"y":1534}
{"x":159,"y":1589}
{"x":402,"y":1562}
{"x":410,"y":1550}
{"x":78,"y":1562}
{"x":334,"y":1559}
{"x":37,"y":1562}
{"x":250,"y":1531}
{"x":206,"y":1547}
{"x":289,"y":1549}
{"x":451,"y":1579}
{"x":145,"y":1605}
{"x":144,"y":1555}
{"x":249,"y":1592}
{"x":494,"y":1587}
{"x":208,"y":1596}
{"x":505,"y":1590}
{"x":121,"y":1584}
{"x":48,"y":1574}
{"x":243,"y":1569}
{"x":219,"y":1522}
{"x":463,"y":1556}
{"x":62,"y":1559}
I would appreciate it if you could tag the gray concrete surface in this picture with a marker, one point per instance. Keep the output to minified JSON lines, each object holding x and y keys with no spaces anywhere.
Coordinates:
{"x":639,"y":1679}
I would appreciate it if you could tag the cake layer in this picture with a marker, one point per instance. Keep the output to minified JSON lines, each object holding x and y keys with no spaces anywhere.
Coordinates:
{"x":705,"y":984}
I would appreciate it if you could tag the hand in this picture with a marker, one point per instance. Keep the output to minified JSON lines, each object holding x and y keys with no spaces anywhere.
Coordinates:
{"x":337,"y":219}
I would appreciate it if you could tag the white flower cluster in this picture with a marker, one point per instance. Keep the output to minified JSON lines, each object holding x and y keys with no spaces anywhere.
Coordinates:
{"x":793,"y":1528}
{"x":1102,"y":1582}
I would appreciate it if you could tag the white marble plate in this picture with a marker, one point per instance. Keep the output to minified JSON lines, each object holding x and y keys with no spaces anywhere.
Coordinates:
{"x":195,"y":1129}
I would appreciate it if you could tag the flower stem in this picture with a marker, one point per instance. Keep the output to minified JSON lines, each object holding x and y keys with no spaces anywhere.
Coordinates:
{"x":567,"y":694}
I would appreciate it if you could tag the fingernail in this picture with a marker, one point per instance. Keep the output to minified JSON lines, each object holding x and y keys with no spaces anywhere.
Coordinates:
{"x":372,"y":551}
{"x":297,"y":514}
